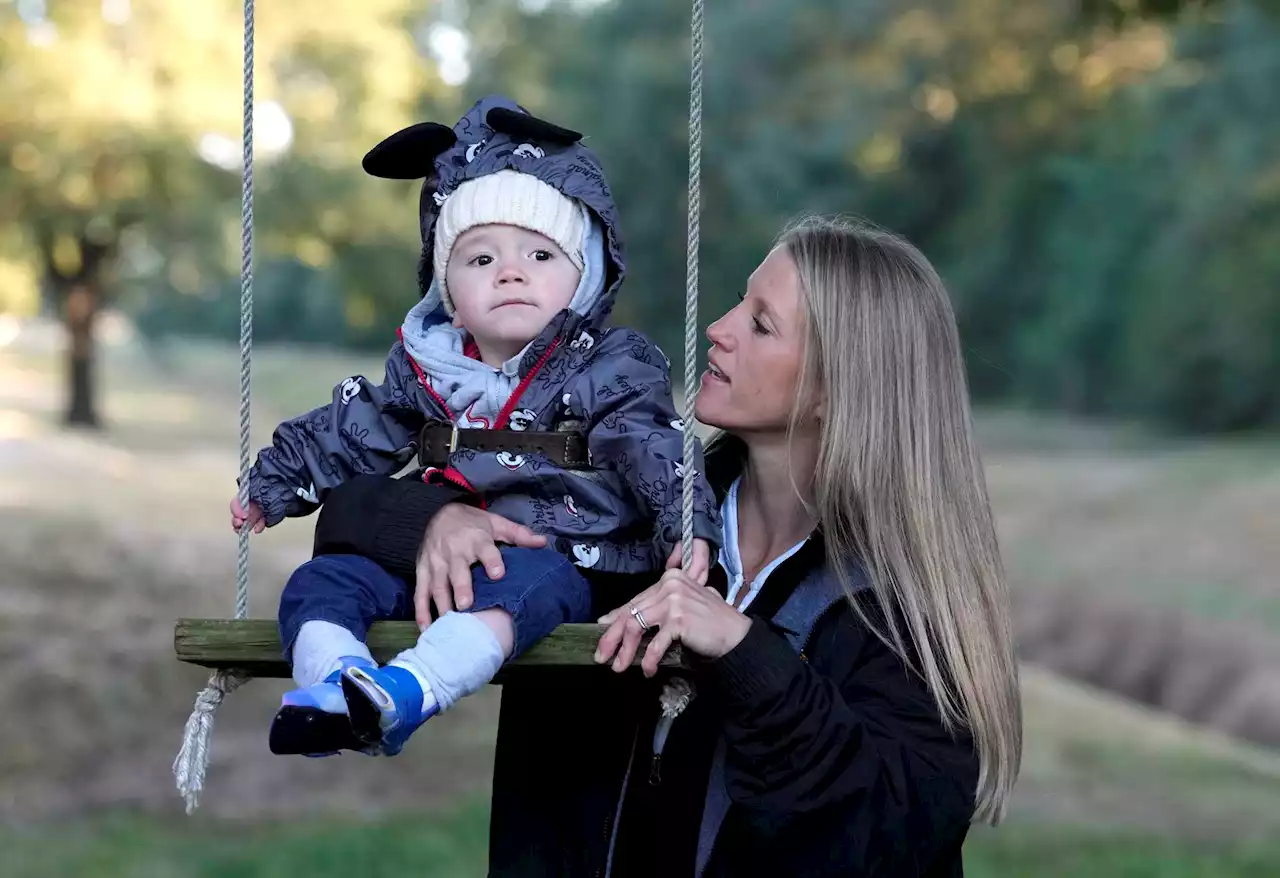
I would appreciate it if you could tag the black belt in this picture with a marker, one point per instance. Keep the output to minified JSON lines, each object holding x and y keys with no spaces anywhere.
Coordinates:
{"x":566,"y":449}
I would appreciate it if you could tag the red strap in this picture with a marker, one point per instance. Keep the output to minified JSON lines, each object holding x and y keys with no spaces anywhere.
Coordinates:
{"x":504,"y":416}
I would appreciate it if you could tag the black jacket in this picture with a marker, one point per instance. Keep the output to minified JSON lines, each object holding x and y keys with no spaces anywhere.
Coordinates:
{"x":837,"y":762}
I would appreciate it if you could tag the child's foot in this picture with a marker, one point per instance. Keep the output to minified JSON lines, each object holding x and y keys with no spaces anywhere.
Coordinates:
{"x":386,"y":706}
{"x":313,"y":721}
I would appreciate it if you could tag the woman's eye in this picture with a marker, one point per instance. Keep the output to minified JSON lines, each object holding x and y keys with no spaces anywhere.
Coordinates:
{"x":757,"y":327}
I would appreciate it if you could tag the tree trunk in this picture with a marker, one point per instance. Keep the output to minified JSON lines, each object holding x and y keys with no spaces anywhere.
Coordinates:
{"x":80,"y":309}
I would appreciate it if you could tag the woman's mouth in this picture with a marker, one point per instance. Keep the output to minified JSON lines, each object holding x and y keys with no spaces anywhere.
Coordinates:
{"x":715,"y":374}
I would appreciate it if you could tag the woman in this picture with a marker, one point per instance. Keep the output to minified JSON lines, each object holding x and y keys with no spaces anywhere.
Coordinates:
{"x":855,"y":700}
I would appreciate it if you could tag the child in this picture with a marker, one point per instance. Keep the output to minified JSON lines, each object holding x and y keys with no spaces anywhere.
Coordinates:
{"x":506,"y":382}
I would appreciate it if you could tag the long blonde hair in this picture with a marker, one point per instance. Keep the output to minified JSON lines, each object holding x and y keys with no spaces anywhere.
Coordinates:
{"x":899,"y":484}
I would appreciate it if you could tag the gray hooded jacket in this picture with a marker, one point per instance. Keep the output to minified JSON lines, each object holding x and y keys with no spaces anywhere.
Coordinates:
{"x":624,"y":514}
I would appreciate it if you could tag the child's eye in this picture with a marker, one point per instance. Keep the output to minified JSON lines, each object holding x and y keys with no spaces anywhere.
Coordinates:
{"x":482,"y":259}
{"x":542,"y":255}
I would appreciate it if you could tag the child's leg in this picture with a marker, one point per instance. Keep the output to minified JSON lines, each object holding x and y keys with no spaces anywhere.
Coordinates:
{"x":325,"y":611}
{"x":462,"y":651}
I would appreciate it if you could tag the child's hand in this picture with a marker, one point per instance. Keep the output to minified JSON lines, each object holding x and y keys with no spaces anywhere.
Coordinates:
{"x":252,"y":517}
{"x":701,"y":563}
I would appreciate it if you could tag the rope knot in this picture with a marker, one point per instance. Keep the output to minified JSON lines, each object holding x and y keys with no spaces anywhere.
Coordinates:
{"x":676,"y":696}
{"x":193,"y":758}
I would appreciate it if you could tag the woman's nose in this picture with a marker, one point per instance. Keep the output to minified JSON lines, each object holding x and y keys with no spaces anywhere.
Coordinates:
{"x":717,"y":333}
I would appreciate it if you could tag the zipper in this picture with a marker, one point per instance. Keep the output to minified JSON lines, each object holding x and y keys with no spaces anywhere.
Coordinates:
{"x":804,"y":647}
{"x":715,"y":842}
{"x":504,"y":416}
{"x":611,"y":821}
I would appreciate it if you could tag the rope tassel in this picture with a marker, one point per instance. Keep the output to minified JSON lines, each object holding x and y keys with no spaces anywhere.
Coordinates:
{"x":193,"y":758}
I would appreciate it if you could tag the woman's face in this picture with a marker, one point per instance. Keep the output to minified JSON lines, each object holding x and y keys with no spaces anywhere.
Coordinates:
{"x":756,"y":353}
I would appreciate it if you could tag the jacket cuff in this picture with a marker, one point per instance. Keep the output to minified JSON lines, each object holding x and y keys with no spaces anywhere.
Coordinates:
{"x":762,"y":663}
{"x":707,"y":528}
{"x":271,"y":497}
{"x":670,"y":531}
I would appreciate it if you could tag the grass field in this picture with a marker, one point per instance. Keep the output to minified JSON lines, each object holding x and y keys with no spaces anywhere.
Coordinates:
{"x":106,"y":538}
{"x":453,"y":846}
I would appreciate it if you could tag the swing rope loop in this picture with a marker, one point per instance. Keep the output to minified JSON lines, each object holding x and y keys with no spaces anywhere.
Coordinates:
{"x":193,"y":758}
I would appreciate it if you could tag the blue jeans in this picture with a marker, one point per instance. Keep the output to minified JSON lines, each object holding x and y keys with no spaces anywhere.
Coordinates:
{"x":540,"y":590}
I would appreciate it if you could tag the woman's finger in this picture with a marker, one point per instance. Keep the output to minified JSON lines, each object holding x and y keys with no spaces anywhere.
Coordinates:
{"x":507,"y":531}
{"x":614,"y":635}
{"x":491,"y":557}
{"x":421,"y":595}
{"x":657,"y":649}
{"x":608,"y":643}
{"x":440,"y":587}
{"x":459,"y":581}
{"x":648,"y":596}
{"x":632,"y":634}
{"x":431,"y":568}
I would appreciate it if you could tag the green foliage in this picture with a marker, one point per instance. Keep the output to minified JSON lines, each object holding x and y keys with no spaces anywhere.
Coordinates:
{"x":1098,"y":182}
{"x":1155,"y":246}
{"x":1099,"y":189}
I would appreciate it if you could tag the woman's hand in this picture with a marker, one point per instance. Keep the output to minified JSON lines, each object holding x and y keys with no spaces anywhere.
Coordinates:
{"x":683,"y":612}
{"x":457,"y":537}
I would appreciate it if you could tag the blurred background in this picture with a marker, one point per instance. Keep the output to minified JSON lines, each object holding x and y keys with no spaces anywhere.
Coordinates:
{"x":1097,"y":180}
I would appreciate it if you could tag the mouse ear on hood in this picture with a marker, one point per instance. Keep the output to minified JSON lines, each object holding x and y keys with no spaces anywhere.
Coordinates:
{"x":409,"y":154}
{"x":522,"y":126}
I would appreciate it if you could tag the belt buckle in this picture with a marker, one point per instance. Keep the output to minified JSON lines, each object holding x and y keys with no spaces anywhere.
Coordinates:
{"x":453,"y":439}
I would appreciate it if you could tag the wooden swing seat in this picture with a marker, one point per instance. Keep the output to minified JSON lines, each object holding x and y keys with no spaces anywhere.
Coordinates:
{"x":253,"y":645}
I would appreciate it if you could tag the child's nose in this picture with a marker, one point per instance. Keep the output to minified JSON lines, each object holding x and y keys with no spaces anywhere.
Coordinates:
{"x":510,"y":274}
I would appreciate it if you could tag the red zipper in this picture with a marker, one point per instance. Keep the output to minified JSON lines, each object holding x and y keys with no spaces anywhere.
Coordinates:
{"x":422,"y":379}
{"x":504,"y":416}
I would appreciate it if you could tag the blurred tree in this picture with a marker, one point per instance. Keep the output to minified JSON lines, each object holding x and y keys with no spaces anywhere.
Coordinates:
{"x":872,"y":107}
{"x":120,"y":147}
{"x":1067,"y":166}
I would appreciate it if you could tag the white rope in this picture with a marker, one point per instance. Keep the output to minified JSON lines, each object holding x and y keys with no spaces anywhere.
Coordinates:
{"x":193,"y":757}
{"x":691,"y":275}
{"x":678,"y":692}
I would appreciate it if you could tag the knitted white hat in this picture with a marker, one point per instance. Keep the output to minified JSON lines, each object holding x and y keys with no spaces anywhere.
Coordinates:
{"x":506,"y":198}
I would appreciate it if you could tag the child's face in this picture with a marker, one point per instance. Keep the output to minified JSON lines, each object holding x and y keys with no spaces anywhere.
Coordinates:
{"x":507,"y":283}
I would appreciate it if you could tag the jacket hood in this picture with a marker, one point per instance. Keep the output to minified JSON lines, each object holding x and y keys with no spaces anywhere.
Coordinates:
{"x":498,"y":134}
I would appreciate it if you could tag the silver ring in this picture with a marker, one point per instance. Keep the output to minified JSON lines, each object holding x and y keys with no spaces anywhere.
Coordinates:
{"x":644,"y":626}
